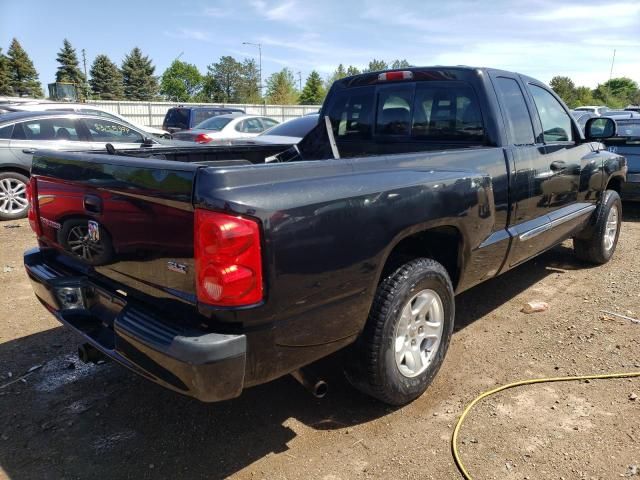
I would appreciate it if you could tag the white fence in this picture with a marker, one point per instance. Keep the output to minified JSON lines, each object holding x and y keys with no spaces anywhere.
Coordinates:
{"x":152,"y":113}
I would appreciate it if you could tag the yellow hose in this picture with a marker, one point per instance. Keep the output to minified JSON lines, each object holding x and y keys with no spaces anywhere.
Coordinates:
{"x":456,"y":430}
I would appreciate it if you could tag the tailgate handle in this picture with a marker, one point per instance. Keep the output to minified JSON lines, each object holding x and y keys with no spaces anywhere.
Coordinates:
{"x":93,"y":204}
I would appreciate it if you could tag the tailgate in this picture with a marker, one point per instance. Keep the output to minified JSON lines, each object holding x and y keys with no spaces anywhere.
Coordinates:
{"x":128,"y":219}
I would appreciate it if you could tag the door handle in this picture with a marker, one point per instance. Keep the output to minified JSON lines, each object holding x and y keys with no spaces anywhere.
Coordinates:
{"x":557,"y":166}
{"x":29,"y":150}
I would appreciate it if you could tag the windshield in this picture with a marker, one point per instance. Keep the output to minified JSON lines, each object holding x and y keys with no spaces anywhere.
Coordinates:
{"x":213,"y":123}
{"x":298,"y":127}
{"x":628,"y":129}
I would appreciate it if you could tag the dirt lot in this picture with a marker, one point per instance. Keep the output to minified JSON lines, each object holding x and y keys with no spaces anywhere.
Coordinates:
{"x":70,"y":420}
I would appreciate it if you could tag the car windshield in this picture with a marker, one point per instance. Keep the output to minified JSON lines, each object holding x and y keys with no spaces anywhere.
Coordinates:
{"x":213,"y":123}
{"x":628,"y":129}
{"x":298,"y":127}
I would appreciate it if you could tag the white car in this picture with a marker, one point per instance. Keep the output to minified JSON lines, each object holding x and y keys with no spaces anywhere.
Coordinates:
{"x":226,"y":127}
{"x":597,"y":109}
{"x":85,"y":108}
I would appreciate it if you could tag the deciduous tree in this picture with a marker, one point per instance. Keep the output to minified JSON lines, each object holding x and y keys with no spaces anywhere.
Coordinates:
{"x":376,"y":65}
{"x":565,"y":88}
{"x":181,"y":82}
{"x":281,"y":88}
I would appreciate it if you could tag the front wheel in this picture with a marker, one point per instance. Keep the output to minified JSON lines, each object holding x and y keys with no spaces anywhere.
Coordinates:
{"x":407,"y":334}
{"x":599,"y":245}
{"x":13,"y":196}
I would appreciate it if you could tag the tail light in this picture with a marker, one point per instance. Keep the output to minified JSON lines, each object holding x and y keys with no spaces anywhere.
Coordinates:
{"x":203,"y":138}
{"x":32,"y":212}
{"x":228,"y":259}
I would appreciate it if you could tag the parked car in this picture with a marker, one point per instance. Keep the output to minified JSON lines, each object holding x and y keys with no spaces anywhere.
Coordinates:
{"x":627,"y":143}
{"x":88,"y":109}
{"x":185,"y":118}
{"x":209,"y":275}
{"x":620,"y":114}
{"x":226,"y":127}
{"x":22,"y":133}
{"x":289,"y":132}
{"x":597,"y":109}
{"x":581,"y":117}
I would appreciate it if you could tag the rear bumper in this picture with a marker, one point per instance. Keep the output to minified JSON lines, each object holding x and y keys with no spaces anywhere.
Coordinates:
{"x":207,"y":366}
{"x":631,"y":188}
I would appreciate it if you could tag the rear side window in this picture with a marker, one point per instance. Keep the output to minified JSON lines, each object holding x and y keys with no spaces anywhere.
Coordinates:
{"x":556,"y":124}
{"x":514,"y":109}
{"x":55,"y":129}
{"x":111,"y":132}
{"x":5,"y":132}
{"x":177,"y":118}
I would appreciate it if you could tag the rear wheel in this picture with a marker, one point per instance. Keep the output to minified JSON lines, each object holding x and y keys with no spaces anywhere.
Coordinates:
{"x":407,"y":333}
{"x":13,"y":196}
{"x":599,"y":246}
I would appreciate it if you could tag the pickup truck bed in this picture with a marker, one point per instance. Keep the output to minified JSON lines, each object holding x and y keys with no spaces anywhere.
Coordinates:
{"x":209,"y":271}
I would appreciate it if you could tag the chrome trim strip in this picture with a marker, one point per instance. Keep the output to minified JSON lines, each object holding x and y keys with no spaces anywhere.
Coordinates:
{"x":554,"y":223}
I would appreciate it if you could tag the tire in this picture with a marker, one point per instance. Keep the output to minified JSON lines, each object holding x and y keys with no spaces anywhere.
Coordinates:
{"x":13,"y":195}
{"x":385,"y":361}
{"x":73,"y":236}
{"x":601,"y":239}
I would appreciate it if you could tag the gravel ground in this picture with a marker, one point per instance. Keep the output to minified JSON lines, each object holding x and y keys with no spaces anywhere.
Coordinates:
{"x":70,"y":420}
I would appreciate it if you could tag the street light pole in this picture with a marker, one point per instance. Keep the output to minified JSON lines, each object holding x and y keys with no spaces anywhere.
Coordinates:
{"x":259,"y":45}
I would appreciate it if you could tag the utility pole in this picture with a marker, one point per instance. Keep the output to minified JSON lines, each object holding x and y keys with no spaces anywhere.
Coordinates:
{"x":84,"y":63}
{"x":300,"y":80}
{"x":610,"y":76}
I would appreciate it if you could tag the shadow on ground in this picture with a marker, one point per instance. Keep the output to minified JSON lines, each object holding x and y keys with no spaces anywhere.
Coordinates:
{"x":99,"y":421}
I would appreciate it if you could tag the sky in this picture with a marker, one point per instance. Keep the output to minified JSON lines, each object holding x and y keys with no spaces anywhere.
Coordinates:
{"x":540,"y":38}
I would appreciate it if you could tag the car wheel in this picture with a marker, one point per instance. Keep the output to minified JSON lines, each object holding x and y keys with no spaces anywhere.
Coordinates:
{"x":407,"y":334}
{"x":599,"y":245}
{"x":13,"y":196}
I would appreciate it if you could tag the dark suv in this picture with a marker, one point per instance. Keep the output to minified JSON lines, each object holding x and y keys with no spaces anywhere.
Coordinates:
{"x":185,"y":118}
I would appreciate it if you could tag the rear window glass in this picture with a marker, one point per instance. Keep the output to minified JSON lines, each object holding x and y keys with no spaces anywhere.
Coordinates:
{"x":423,"y":111}
{"x":199,"y":114}
{"x":447,"y":112}
{"x":351,"y":112}
{"x":625,"y":129}
{"x":214,"y":123}
{"x":177,"y":118}
{"x":298,"y":127}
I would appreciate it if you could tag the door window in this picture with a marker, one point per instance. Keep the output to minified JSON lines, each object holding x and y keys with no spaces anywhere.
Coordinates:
{"x":556,"y":123}
{"x":52,"y":129}
{"x":514,"y":109}
{"x":111,"y":132}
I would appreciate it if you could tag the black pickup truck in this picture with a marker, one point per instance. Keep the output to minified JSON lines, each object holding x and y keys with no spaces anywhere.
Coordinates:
{"x":209,"y":270}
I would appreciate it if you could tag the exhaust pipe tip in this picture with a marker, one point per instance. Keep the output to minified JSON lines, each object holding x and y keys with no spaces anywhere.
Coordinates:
{"x":318,"y":387}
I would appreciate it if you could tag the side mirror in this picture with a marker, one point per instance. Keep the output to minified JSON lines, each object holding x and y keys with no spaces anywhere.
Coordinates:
{"x":148,"y":142}
{"x":600,"y":128}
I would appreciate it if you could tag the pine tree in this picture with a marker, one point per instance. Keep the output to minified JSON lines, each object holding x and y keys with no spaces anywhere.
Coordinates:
{"x":338,"y":73}
{"x":69,"y":71}
{"x":400,"y":63}
{"x":249,"y":91}
{"x":106,"y":79}
{"x":313,"y":92}
{"x":281,"y":88}
{"x":137,"y":72}
{"x":377,"y":65}
{"x":24,"y":78}
{"x":5,"y":75}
